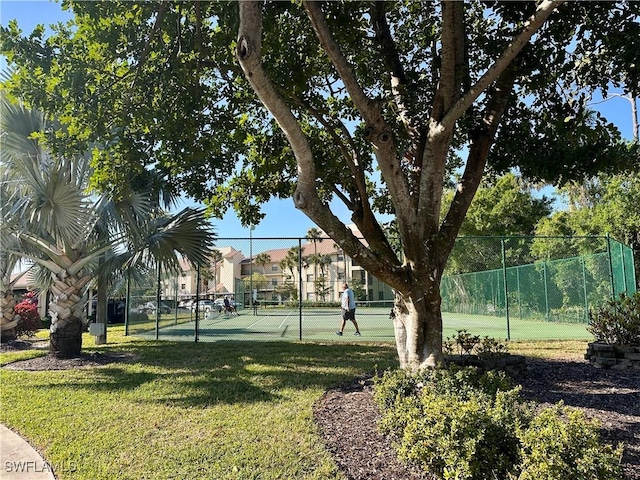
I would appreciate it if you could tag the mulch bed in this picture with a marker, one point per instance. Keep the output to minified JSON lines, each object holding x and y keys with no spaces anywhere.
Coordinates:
{"x":347,"y":416}
{"x":49,"y":362}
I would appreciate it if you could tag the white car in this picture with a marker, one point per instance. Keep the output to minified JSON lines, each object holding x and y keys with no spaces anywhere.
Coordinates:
{"x":206,"y":306}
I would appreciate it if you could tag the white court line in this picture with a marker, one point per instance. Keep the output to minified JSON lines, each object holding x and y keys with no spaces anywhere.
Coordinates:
{"x":285,"y":319}
{"x":281,"y":324}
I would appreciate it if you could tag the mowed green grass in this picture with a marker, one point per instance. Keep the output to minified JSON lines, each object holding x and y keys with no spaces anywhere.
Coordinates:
{"x":223,"y":410}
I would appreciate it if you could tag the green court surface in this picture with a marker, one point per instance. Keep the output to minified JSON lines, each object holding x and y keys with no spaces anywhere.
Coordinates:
{"x":320,"y":324}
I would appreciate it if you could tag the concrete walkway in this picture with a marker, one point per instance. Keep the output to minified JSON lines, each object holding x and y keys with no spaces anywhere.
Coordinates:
{"x":19,"y":461}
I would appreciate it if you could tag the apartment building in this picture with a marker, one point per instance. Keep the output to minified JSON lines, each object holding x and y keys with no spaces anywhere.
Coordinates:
{"x":274,"y":276}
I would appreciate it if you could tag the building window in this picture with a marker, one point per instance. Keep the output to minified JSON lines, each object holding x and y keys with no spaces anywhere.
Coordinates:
{"x":310,"y":277}
{"x":274,"y":268}
{"x":340,"y":257}
{"x":183,"y":286}
{"x":274,"y":282}
{"x":340,"y":275}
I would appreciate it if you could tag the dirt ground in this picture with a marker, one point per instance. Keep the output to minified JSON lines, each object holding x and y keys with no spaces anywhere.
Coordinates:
{"x":347,"y":415}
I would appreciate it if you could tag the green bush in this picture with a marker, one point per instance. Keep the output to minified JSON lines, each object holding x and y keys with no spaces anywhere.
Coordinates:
{"x":463,"y":343}
{"x":455,"y":422}
{"x":617,"y":322}
{"x":460,"y":424}
{"x":561,"y":444}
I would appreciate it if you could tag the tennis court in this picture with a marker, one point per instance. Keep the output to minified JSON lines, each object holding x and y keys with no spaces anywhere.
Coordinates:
{"x":320,"y":324}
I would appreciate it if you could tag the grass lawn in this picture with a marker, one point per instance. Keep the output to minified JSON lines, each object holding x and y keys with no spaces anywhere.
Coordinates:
{"x":223,"y":410}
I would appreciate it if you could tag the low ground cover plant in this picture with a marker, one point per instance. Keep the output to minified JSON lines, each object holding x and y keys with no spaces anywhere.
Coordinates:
{"x":461,"y":424}
{"x":618,"y":321}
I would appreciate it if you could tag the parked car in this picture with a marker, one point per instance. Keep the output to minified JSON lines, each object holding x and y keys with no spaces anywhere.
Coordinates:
{"x":186,"y":304}
{"x":206,"y":306}
{"x":151,"y":308}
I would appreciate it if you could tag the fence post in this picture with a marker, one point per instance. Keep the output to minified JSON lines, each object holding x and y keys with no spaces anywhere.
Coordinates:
{"x":175,"y":300}
{"x":128,"y":305}
{"x":197,"y":303}
{"x":546,"y":289}
{"x":158,"y":295}
{"x":300,"y":288}
{"x":613,"y":282}
{"x":584,"y":289}
{"x":624,"y":268}
{"x":506,"y":288}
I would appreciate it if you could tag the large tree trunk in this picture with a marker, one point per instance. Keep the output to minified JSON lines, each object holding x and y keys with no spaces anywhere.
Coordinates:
{"x":417,"y":322}
{"x":68,"y":319}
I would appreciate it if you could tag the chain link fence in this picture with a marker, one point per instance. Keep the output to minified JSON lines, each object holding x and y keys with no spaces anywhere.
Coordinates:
{"x":289,"y":289}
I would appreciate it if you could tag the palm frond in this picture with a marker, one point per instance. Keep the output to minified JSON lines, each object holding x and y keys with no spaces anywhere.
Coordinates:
{"x":186,"y":233}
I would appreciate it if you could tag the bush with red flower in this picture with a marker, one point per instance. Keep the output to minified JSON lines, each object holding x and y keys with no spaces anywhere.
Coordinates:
{"x":30,"y":320}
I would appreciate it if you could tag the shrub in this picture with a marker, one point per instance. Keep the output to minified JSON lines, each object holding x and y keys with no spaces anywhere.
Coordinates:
{"x":460,"y":424}
{"x":560,"y":444}
{"x":463,"y":343}
{"x":30,"y":321}
{"x":617,"y":322}
{"x":455,"y":422}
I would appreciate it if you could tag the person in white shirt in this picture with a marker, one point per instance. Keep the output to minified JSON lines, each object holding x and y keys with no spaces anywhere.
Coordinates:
{"x":348,"y":310}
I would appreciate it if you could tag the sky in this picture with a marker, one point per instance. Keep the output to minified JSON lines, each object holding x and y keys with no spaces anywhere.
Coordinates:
{"x":282,"y":218}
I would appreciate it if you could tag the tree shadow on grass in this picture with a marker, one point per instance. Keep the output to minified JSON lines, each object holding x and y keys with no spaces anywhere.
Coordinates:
{"x":228,"y":372}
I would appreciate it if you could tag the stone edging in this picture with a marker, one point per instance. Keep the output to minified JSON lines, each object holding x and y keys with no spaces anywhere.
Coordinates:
{"x":619,"y":357}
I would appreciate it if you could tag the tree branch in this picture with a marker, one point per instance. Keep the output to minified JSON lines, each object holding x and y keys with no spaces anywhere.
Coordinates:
{"x":378,"y":132}
{"x":544,"y":10}
{"x":391,"y":60}
{"x":147,"y":46}
{"x":453,"y":40}
{"x":248,"y":52}
{"x":477,"y":159}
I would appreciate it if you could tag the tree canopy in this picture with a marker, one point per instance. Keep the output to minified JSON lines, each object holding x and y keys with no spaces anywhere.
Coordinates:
{"x":376,"y":104}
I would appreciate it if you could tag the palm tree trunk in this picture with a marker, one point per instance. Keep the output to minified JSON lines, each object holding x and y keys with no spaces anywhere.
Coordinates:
{"x":67,"y":315}
{"x":8,"y":320}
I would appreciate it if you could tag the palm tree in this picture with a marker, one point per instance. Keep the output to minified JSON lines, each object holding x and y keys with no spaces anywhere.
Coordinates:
{"x":16,"y":137}
{"x":263,"y":259}
{"x":216,"y":257}
{"x":64,"y":227}
{"x":313,"y":235}
{"x":324,"y":261}
{"x":8,"y":320}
